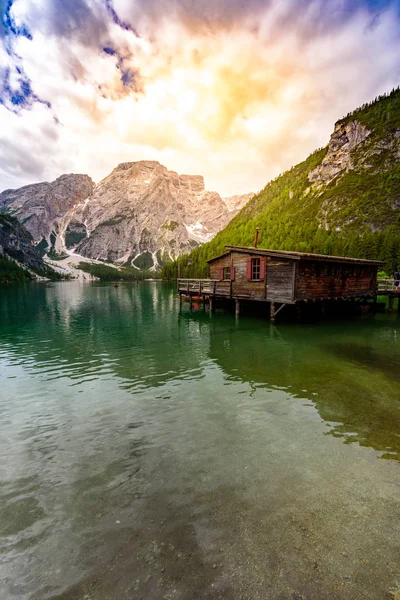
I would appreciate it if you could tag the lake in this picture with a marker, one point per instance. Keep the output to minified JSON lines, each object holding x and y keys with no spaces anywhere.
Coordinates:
{"x":147,"y":452}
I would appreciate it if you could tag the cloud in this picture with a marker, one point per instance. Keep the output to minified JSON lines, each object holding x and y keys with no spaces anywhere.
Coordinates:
{"x":235,"y":91}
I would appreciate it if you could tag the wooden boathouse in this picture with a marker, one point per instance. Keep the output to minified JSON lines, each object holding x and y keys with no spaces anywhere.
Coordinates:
{"x":283,"y":278}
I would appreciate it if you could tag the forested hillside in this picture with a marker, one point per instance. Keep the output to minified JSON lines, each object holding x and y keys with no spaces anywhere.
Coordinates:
{"x":344,"y":199}
{"x":19,"y":259}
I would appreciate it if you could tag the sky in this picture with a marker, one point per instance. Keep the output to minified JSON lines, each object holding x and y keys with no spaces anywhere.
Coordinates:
{"x":235,"y":90}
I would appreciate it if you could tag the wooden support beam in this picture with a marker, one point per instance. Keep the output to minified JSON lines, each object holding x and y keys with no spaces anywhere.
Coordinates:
{"x":275,"y":311}
{"x":279,"y":309}
{"x":391,"y":299}
{"x":204,"y":303}
{"x":211,"y":304}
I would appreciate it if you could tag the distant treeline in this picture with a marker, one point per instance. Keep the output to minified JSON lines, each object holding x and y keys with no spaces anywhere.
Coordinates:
{"x":379,"y":245}
{"x":378,"y":112}
{"x":108,"y":273}
{"x":10,"y":271}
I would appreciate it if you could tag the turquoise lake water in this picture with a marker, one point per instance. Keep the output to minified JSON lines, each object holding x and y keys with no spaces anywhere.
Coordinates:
{"x":147,"y":452}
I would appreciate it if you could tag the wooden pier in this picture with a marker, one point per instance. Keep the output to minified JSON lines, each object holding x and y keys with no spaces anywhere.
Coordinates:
{"x":391,"y":289}
{"x":204,"y":289}
{"x":209,"y":290}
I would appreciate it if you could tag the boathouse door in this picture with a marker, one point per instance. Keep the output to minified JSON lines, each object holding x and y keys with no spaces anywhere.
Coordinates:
{"x":280,"y":284}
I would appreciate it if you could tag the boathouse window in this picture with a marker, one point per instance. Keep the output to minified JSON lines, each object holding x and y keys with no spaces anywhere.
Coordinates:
{"x":255,"y":269}
{"x":227,"y":273}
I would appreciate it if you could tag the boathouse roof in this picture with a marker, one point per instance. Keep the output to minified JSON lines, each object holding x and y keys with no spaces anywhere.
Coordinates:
{"x":297,"y":256}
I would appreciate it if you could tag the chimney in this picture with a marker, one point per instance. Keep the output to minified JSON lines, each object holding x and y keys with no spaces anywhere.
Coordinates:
{"x":256,"y":237}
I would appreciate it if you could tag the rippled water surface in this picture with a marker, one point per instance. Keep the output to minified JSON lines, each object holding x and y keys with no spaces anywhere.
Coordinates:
{"x":148,"y":452}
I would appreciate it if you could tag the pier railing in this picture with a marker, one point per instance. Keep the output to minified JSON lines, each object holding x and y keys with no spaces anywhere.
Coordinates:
{"x":388,"y":285}
{"x":205,"y":287}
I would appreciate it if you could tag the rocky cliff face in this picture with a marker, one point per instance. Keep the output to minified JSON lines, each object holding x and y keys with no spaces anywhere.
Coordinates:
{"x":141,"y":214}
{"x":40,"y":206}
{"x":235,"y":203}
{"x":16,"y":242}
{"x":345,"y":137}
{"x":363,"y":162}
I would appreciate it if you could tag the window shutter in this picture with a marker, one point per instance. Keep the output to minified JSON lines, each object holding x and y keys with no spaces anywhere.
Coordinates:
{"x":221,"y":273}
{"x":262,"y":269}
{"x":232,"y":273}
{"x":248,"y":269}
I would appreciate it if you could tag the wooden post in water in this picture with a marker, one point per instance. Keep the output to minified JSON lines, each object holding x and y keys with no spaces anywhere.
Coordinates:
{"x":211,"y":304}
{"x":237,"y":308}
{"x":191,"y":302}
{"x":391,"y":299}
{"x":204,"y":302}
{"x":272,"y":312}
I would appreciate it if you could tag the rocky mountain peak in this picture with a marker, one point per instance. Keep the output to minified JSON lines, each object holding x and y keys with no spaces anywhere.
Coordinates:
{"x":139,"y":165}
{"x":141,"y":213}
{"x":193,"y":183}
{"x":41,"y":205}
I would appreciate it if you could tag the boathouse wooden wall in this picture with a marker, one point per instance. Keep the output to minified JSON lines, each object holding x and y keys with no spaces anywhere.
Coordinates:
{"x":277,"y":278}
{"x":254,"y":290}
{"x":289,"y":280}
{"x":320,"y":279}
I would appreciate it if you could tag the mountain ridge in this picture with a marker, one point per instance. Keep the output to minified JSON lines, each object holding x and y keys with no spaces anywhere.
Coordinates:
{"x":141,"y":214}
